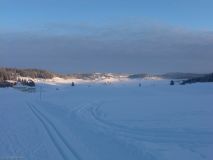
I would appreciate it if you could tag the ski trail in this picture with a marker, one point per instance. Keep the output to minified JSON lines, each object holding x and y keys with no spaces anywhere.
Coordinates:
{"x":151,"y":134}
{"x":49,"y":133}
{"x":47,"y":125}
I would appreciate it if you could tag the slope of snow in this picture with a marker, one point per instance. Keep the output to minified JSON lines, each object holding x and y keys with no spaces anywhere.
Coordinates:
{"x":120,"y":121}
{"x":59,"y":81}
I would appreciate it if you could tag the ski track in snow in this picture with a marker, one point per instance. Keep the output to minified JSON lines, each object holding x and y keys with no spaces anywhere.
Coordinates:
{"x":89,"y":123}
{"x":52,"y":131}
{"x":90,"y":111}
{"x":78,"y":113}
{"x":150,"y":135}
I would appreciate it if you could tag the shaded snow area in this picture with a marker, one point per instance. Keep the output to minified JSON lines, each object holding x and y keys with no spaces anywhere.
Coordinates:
{"x":120,"y":121}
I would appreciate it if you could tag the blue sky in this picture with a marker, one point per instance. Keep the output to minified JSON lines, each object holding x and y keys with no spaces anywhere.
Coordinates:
{"x":121,"y":31}
{"x":194,"y":14}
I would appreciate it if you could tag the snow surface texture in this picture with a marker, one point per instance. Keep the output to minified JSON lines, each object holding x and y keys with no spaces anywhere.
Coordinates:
{"x":121,"y":121}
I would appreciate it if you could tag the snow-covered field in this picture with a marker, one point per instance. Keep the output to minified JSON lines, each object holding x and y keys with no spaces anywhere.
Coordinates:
{"x":121,"y":121}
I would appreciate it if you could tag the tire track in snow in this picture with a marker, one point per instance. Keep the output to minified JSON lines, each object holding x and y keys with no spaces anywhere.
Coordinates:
{"x":47,"y":125}
{"x":152,"y":134}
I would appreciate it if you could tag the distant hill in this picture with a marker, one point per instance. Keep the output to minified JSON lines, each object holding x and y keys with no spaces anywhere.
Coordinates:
{"x":205,"y":78}
{"x":94,"y":76}
{"x":13,"y":73}
{"x":175,"y":75}
{"x":134,"y":76}
{"x":178,"y":75}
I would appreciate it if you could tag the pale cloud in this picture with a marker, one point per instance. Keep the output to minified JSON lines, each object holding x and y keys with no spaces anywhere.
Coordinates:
{"x":120,"y":48}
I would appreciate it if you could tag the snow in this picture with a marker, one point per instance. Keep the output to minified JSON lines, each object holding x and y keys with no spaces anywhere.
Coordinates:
{"x":59,"y":81}
{"x":120,"y":121}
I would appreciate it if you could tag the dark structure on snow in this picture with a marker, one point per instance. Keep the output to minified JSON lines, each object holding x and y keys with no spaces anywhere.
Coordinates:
{"x":172,"y":83}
